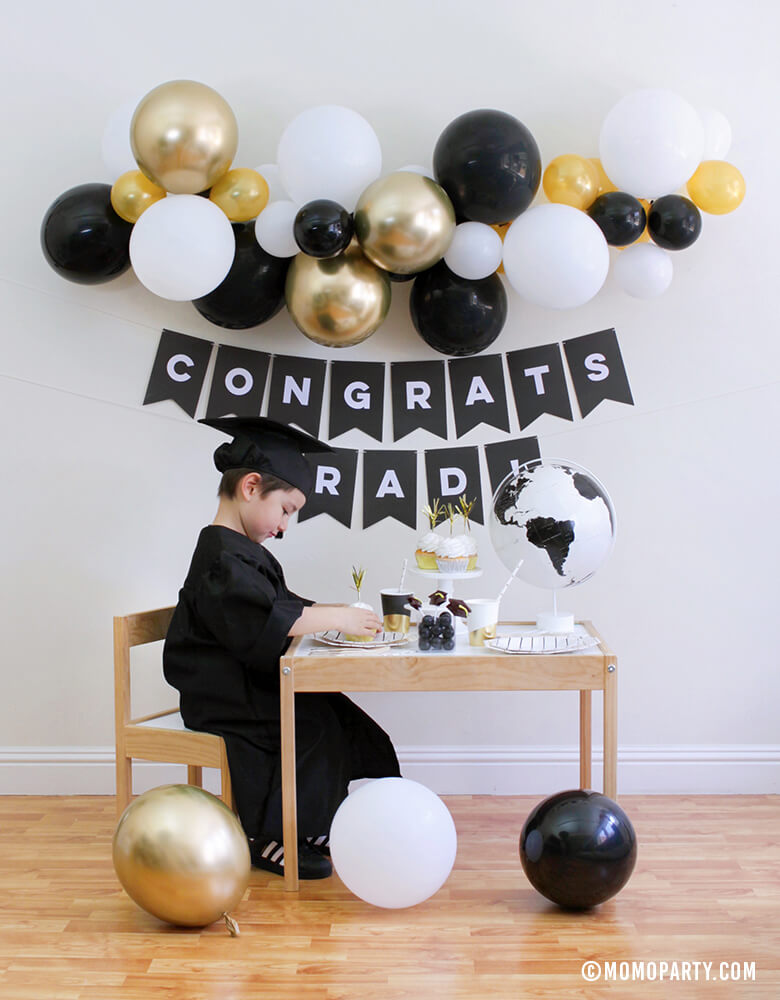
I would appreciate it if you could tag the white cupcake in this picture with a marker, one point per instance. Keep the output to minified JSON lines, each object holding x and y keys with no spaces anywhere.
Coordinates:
{"x":426,"y":550}
{"x":452,"y":555}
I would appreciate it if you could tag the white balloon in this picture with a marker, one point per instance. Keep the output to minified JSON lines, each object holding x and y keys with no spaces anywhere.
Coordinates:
{"x":328,"y":152}
{"x":651,"y":142}
{"x":115,"y":148}
{"x":717,"y":134}
{"x":555,"y":256}
{"x":475,"y":251}
{"x":274,"y":229}
{"x":182,"y":247}
{"x":270,"y":171}
{"x":643,"y":270}
{"x":393,"y":842}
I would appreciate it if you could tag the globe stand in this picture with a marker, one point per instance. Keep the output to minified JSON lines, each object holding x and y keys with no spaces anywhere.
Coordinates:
{"x":552,"y":621}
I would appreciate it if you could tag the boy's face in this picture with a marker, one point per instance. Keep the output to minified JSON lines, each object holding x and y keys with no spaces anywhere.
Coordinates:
{"x":263,"y":517}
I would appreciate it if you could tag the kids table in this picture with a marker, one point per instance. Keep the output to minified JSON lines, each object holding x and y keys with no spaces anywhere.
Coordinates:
{"x":310,"y":665}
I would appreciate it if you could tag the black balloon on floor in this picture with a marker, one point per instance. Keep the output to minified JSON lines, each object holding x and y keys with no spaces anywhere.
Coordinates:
{"x":253,"y":290}
{"x":578,"y":848}
{"x":323,"y":228}
{"x":674,"y":222}
{"x":619,"y":216}
{"x":83,"y":238}
{"x":454,"y":315}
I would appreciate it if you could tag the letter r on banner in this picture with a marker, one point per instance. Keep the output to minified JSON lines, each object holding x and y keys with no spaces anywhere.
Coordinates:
{"x":328,"y":479}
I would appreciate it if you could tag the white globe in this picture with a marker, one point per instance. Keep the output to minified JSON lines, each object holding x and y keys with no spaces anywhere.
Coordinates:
{"x":556,"y":517}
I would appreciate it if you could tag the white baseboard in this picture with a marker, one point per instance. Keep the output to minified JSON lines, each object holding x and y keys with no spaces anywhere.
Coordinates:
{"x":453,"y":770}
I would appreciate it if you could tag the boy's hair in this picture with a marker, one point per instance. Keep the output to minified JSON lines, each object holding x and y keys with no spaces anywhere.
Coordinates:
{"x":232,"y":477}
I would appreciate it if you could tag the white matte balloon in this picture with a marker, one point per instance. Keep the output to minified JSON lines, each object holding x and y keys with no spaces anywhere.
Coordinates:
{"x":475,"y":251}
{"x":643,"y":270}
{"x":328,"y":152}
{"x":393,"y":842}
{"x":651,"y":142}
{"x":274,"y":229}
{"x":270,"y":172}
{"x":182,"y":247}
{"x":717,"y":134}
{"x":555,"y":256}
{"x":115,"y":147}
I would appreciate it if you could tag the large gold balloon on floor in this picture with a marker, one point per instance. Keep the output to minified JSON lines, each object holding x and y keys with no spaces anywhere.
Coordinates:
{"x":181,"y":855}
{"x":184,"y":136}
{"x":716,"y":187}
{"x":241,"y":193}
{"x":404,"y":222}
{"x":132,"y":194}
{"x":337,"y":301}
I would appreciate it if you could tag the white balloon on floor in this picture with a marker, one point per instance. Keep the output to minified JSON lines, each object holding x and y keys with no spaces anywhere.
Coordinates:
{"x":393,"y":842}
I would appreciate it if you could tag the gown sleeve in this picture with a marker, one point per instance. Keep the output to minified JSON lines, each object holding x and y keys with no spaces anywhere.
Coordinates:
{"x":248,"y":613}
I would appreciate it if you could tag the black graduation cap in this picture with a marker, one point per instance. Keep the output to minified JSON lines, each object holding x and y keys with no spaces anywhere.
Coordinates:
{"x":269,"y":446}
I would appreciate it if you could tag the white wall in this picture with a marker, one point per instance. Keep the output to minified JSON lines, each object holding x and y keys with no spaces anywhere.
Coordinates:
{"x":103,"y":498}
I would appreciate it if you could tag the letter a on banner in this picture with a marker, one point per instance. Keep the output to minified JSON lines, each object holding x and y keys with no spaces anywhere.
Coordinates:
{"x":451,"y":472}
{"x":538,"y":383}
{"x":390,"y":487}
{"x":478,"y":393}
{"x":334,"y":486}
{"x":179,"y":370}
{"x":238,"y":383}
{"x":297,"y":386}
{"x":597,"y":370}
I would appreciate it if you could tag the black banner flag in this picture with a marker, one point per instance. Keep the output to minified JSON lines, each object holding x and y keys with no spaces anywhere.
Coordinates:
{"x":334,"y":486}
{"x":238,"y":383}
{"x":357,"y":397}
{"x":451,"y":472}
{"x":390,"y":486}
{"x":297,"y":387}
{"x":419,"y":400}
{"x":179,"y":370}
{"x":539,"y":383}
{"x":597,"y":370}
{"x":504,"y":457}
{"x":478,"y":393}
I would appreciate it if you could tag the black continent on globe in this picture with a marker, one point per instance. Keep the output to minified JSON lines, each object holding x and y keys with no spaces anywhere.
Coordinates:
{"x":555,"y":537}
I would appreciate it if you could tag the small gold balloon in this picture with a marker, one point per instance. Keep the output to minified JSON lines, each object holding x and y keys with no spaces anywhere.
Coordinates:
{"x":181,"y":855}
{"x":241,"y":193}
{"x":571,"y":180}
{"x":716,"y":187}
{"x":404,"y":222}
{"x":337,"y":301}
{"x":132,"y":194}
{"x":184,"y":136}
{"x":605,"y":184}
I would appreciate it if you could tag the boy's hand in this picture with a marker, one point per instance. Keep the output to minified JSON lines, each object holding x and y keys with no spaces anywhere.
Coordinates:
{"x":359,"y":621}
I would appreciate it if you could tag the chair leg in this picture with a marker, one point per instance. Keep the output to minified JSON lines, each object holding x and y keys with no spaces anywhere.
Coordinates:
{"x":195,"y":775}
{"x":227,"y":787}
{"x":124,"y":783}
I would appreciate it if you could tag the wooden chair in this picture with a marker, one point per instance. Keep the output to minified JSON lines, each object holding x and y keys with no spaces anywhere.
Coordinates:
{"x":160,"y":736}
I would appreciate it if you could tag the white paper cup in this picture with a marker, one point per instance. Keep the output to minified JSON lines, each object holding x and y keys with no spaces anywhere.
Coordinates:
{"x":482,"y":619}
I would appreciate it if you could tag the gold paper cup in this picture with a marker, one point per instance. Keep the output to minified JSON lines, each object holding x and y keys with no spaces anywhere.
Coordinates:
{"x":396,"y":623}
{"x":396,"y":609}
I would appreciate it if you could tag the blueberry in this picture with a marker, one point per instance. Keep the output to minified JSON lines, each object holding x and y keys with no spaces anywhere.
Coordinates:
{"x":436,"y":642}
{"x":423,"y":644}
{"x":423,"y":630}
{"x":427,"y":620}
{"x":449,"y":643}
{"x":445,"y":616}
{"x":448,"y":633}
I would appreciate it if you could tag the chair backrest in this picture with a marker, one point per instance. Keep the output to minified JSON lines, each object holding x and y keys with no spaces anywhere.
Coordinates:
{"x":133,"y":630}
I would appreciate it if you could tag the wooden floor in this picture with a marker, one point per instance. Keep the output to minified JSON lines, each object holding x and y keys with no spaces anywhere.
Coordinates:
{"x":706,"y":889}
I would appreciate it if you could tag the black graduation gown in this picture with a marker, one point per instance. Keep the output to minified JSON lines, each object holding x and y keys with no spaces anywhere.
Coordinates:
{"x":222,"y":654}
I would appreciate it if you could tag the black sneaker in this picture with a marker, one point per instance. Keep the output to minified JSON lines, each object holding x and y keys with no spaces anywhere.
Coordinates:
{"x":320,"y":844}
{"x":269,"y":855}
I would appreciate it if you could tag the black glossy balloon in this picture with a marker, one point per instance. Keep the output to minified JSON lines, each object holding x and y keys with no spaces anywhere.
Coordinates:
{"x":323,"y":228}
{"x":674,"y":222}
{"x":454,"y":315}
{"x":578,"y":848}
{"x":253,"y":290}
{"x":489,"y":164}
{"x":619,"y":216}
{"x":83,"y":238}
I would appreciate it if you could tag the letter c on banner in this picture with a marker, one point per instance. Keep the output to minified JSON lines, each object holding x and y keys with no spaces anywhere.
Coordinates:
{"x":328,"y":479}
{"x":179,"y":359}
{"x":598,"y":371}
{"x":358,"y":400}
{"x":230,"y":382}
{"x":448,"y":489}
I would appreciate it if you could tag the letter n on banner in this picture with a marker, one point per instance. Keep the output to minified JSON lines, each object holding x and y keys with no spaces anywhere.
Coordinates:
{"x":238,"y":384}
{"x":179,"y":370}
{"x":297,"y":386}
{"x":357,"y":397}
{"x":390,"y":486}
{"x":504,"y":457}
{"x":334,"y":486}
{"x":538,"y":383}
{"x":451,"y":472}
{"x":597,"y":370}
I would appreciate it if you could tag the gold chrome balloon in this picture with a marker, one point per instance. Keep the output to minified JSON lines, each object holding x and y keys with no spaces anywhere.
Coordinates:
{"x":404,"y":222}
{"x":605,"y":184}
{"x":571,"y":180}
{"x":337,"y":301}
{"x":184,"y":136}
{"x":182,"y":855}
{"x":716,"y":187}
{"x":241,"y":193}
{"x":132,"y":194}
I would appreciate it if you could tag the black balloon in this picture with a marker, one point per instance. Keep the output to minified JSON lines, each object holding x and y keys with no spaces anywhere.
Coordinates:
{"x":454,"y":315}
{"x":83,"y":238}
{"x":253,"y":290}
{"x":578,"y":849}
{"x":323,"y":228}
{"x":674,"y":222}
{"x":619,"y":216}
{"x":489,"y":164}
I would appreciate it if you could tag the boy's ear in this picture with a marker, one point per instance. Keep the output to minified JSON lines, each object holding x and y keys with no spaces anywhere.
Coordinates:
{"x":250,"y":484}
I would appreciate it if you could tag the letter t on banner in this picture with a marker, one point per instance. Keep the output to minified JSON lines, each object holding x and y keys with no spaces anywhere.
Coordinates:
{"x":538,"y":383}
{"x":451,"y":472}
{"x":179,"y":370}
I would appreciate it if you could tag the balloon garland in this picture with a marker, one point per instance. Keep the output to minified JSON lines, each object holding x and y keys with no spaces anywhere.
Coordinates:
{"x":324,"y":232}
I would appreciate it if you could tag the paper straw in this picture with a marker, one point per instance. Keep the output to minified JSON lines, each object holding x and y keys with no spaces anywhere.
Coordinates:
{"x":403,"y":577}
{"x":514,"y":571}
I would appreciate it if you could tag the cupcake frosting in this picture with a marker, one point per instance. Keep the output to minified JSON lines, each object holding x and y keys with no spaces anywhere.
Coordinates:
{"x":454,"y":547}
{"x":429,"y":542}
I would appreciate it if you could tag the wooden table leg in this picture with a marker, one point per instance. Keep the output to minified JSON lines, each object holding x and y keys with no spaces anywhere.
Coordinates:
{"x":586,"y":739}
{"x":289,"y":803}
{"x":610,"y":729}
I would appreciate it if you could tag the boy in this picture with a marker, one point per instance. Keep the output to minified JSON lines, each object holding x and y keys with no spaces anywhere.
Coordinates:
{"x":235,"y":618}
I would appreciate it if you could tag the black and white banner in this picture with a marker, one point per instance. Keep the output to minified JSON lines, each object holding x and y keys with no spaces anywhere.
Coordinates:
{"x":238,"y":383}
{"x":179,"y":370}
{"x":419,"y":399}
{"x":390,"y":487}
{"x":478,"y":392}
{"x":334,"y":486}
{"x":538,"y":383}
{"x":357,"y":398}
{"x":297,"y":388}
{"x":597,"y":370}
{"x":453,"y":472}
{"x":504,"y":457}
